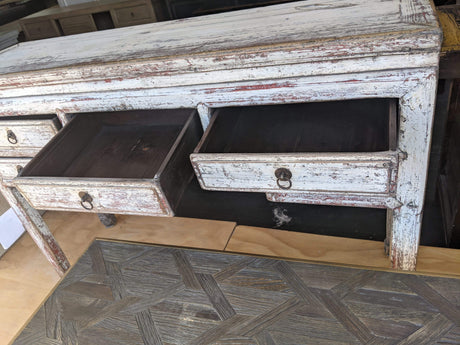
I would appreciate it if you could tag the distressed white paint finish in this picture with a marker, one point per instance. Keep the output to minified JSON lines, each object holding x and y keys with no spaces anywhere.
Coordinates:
{"x":9,"y":168}
{"x":31,"y":136}
{"x":269,"y":25}
{"x":391,"y":84}
{"x":37,"y":229}
{"x":120,"y":196}
{"x":416,"y":118}
{"x":333,"y":172}
{"x":110,"y":70}
{"x":336,"y":199}
{"x":54,"y":85}
{"x":205,"y":114}
{"x":276,"y":54}
{"x":63,"y":117}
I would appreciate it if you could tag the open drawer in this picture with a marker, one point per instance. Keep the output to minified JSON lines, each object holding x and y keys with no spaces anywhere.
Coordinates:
{"x":134,"y":162}
{"x":344,"y":147}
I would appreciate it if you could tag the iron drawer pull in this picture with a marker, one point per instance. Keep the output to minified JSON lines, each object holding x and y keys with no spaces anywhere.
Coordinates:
{"x":86,"y":200}
{"x":283,"y":175}
{"x":11,"y":137}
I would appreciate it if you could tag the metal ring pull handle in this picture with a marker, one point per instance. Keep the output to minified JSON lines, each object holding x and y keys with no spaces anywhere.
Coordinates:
{"x":11,"y":137}
{"x":86,"y":201}
{"x":283,"y":178}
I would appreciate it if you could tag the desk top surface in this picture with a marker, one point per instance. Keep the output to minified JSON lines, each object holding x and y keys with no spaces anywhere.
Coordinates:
{"x":302,"y":22}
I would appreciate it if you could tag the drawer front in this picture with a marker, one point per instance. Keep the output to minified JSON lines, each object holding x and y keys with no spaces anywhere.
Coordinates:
{"x":77,"y":24}
{"x":25,"y":138}
{"x":9,"y":167}
{"x":98,"y":197}
{"x":40,"y":30}
{"x":134,"y":15}
{"x":359,"y":173}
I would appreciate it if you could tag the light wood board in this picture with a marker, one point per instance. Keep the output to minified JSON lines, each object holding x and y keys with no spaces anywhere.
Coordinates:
{"x":336,"y":250}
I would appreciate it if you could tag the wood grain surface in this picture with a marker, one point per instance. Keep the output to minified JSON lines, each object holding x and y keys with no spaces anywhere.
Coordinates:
{"x":298,"y":303}
{"x":24,"y":271}
{"x":26,"y":278}
{"x":231,"y":30}
{"x":204,"y":58}
{"x":354,"y":252}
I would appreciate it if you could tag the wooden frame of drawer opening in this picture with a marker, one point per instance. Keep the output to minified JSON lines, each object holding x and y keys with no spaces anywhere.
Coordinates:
{"x":133,"y":162}
{"x":334,"y":153}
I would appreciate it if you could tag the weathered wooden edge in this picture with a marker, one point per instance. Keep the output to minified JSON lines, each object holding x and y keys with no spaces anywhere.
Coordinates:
{"x":407,"y":8}
{"x":416,"y":119}
{"x":389,"y":84}
{"x":36,"y":227}
{"x":320,"y":157}
{"x":118,"y":81}
{"x":336,"y":199}
{"x":41,"y":183}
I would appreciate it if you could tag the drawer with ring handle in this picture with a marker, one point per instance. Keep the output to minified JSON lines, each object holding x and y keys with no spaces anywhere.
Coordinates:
{"x":25,"y":136}
{"x":133,"y":162}
{"x":312,"y":147}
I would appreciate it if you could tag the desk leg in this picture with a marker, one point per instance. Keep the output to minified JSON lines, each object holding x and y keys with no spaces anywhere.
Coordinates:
{"x":37,"y":228}
{"x":404,"y":222}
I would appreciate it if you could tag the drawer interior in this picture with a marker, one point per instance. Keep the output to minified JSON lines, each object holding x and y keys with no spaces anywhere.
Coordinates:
{"x":342,"y":126}
{"x":131,"y":144}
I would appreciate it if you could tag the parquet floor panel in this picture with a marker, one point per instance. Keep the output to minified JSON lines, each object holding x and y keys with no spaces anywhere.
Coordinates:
{"x":125,"y":293}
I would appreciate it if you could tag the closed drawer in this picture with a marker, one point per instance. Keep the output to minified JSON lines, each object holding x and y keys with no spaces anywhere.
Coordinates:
{"x":140,"y":14}
{"x":26,"y":136}
{"x":10,"y":167}
{"x":40,"y":30}
{"x":319,"y":147}
{"x":125,"y":163}
{"x":77,"y":24}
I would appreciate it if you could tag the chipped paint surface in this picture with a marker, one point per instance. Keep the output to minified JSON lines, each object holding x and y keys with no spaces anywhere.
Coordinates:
{"x":109,"y":196}
{"x":311,"y":172}
{"x":31,"y":136}
{"x":37,"y":229}
{"x":416,"y":112}
{"x":337,"y":199}
{"x":269,"y":55}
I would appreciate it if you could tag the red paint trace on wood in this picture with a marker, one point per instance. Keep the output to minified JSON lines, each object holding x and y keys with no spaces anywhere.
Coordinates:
{"x":255,"y":87}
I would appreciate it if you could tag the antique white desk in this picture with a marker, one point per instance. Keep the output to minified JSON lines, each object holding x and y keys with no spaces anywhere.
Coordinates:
{"x":298,"y":52}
